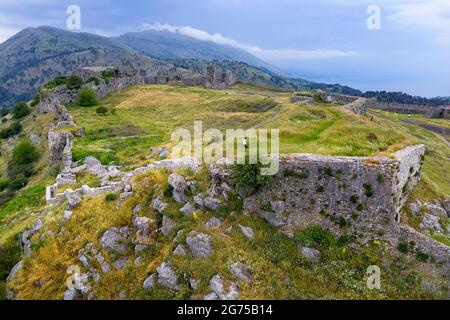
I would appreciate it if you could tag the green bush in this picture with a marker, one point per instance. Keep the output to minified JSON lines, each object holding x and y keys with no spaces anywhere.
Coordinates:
{"x":369,"y":191}
{"x":110,"y":197}
{"x":248,"y":177}
{"x":18,"y":184}
{"x":36,"y":100}
{"x":25,"y":153}
{"x":74,"y":82}
{"x":314,"y":236}
{"x":93,"y":79}
{"x":13,"y":130}
{"x":87,"y":97}
{"x":102,"y":110}
{"x":4,"y":184}
{"x":58,"y":81}
{"x":21,"y":110}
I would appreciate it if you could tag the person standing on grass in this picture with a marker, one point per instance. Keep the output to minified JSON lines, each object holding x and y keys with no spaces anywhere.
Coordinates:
{"x":245,"y":143}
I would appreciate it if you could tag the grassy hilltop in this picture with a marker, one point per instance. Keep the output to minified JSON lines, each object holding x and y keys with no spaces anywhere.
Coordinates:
{"x":142,"y":117}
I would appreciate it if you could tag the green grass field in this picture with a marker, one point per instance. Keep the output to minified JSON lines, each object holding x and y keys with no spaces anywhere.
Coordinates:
{"x":145,"y":116}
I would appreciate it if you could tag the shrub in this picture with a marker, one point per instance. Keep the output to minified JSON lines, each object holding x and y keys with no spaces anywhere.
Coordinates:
{"x":36,"y":100}
{"x":87,"y":97}
{"x":360,"y":207}
{"x":74,"y":82}
{"x":93,"y":79}
{"x":354,"y":199}
{"x":369,"y":192}
{"x":314,"y":236}
{"x":21,"y":110}
{"x":102,"y":110}
{"x":110,"y":197}
{"x":4,"y":184}
{"x":248,"y":177}
{"x":4,"y":111}
{"x":380,"y":178}
{"x":328,"y":171}
{"x":343,"y":241}
{"x":15,"y":129}
{"x":372,"y":137}
{"x":422,"y":257}
{"x":303,"y":174}
{"x":265,"y":205}
{"x":25,"y":153}
{"x":18,"y":184}
{"x":55,"y":82}
{"x":320,"y":189}
{"x":403,"y":247}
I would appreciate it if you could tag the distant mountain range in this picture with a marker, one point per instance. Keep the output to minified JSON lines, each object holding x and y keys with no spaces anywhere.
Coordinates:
{"x":34,"y":56}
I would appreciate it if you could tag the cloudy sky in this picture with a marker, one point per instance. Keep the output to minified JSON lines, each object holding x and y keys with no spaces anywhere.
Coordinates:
{"x":321,"y":40}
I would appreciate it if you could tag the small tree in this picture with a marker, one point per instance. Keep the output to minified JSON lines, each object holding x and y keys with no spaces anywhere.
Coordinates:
{"x":74,"y":82}
{"x":25,"y":153}
{"x":102,"y":110}
{"x":87,"y":97}
{"x":21,"y":110}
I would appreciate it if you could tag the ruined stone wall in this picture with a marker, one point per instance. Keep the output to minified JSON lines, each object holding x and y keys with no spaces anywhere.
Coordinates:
{"x":430,"y":112}
{"x":337,"y":98}
{"x":362,"y":195}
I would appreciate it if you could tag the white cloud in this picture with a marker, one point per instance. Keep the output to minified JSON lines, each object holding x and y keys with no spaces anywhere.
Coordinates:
{"x":431,"y":16}
{"x":6,"y":33}
{"x":267,"y":54}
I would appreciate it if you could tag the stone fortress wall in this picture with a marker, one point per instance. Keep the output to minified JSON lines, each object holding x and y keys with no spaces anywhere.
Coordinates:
{"x":430,"y":112}
{"x":362,"y":195}
{"x":356,"y":196}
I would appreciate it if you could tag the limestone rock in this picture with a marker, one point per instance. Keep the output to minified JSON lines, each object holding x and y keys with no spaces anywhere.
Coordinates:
{"x":199,"y":200}
{"x":446,"y":206}
{"x":272,"y":219}
{"x":242,"y":271}
{"x":159,"y":206}
{"x":121,"y":263}
{"x":213,"y":223}
{"x":415,"y":208}
{"x":212,"y":203}
{"x":248,"y":232}
{"x":179,"y":196}
{"x":71,"y":295}
{"x":178,"y":182}
{"x":167,"y":276}
{"x":149,"y":283}
{"x":211,"y":297}
{"x":431,"y":223}
{"x":200,"y":244}
{"x":278,"y":206}
{"x":74,"y":201}
{"x":194,"y":283}
{"x":311,"y":254}
{"x":436,"y":210}
{"x":218,"y":287}
{"x":180,"y":250}
{"x":167,"y":226}
{"x":15,"y":271}
{"x":115,"y":239}
{"x":188,"y":210}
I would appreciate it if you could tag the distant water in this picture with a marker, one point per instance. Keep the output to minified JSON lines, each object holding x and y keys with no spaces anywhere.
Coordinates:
{"x":420,"y":85}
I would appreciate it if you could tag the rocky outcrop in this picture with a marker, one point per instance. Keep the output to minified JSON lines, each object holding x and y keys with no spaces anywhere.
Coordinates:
{"x":200,"y":245}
